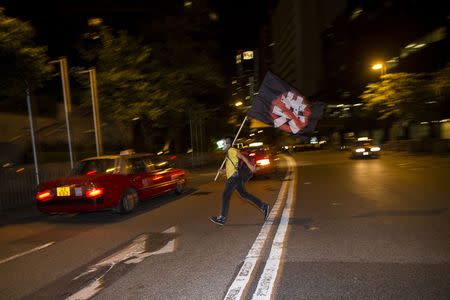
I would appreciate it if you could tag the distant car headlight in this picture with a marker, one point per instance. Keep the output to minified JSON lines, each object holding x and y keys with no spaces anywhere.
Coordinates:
{"x":375,"y":149}
{"x":359,"y":150}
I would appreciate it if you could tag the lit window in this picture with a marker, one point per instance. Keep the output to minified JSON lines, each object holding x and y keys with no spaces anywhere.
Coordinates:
{"x":238,"y":59}
{"x":248,"y":55}
{"x":187,"y":3}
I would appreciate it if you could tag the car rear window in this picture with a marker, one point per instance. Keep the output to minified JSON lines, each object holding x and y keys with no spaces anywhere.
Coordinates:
{"x":362,"y":144}
{"x":93,"y":166}
{"x":154,"y":162}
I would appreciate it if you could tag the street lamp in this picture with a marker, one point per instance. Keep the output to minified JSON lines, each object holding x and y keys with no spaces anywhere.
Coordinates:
{"x":381,"y":67}
{"x":95,"y":109}
{"x":62,"y":61}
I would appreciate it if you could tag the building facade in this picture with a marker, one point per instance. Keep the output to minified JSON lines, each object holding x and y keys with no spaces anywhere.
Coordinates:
{"x":296,"y":29}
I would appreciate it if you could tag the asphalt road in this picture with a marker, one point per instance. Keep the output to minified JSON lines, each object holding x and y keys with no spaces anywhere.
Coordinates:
{"x":339,"y":228}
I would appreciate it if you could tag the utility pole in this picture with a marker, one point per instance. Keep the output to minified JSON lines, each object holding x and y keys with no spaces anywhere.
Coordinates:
{"x":62,"y":61}
{"x":95,"y":110}
{"x":33,"y":140}
{"x":192,"y":138}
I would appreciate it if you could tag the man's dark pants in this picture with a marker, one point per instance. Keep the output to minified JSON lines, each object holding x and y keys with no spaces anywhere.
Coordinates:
{"x":232,"y":183}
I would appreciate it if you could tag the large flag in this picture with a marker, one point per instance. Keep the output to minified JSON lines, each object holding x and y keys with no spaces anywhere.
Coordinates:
{"x":280,"y":105}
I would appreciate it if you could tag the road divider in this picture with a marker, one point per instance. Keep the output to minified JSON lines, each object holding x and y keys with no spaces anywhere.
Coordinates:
{"x":268,"y":277}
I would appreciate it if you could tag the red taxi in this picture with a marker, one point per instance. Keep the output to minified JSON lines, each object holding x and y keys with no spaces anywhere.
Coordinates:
{"x":116,"y":182}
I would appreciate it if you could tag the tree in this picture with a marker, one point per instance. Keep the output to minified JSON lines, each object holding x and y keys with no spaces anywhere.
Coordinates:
{"x":123,"y":85}
{"x":441,"y":89}
{"x":160,"y":84}
{"x":400,"y":95}
{"x":23,"y":63}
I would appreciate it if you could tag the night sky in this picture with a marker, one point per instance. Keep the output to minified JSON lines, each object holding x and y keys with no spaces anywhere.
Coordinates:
{"x":59,"y":24}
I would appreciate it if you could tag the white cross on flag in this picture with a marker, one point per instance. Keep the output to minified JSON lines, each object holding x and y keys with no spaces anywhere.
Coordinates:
{"x":280,"y":105}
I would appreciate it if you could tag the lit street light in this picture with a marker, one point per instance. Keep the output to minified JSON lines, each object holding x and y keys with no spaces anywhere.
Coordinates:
{"x":377,"y":66}
{"x":239,"y":103}
{"x":381,"y":67}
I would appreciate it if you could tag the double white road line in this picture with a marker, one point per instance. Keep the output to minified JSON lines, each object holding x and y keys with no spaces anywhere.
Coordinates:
{"x":269,"y":275}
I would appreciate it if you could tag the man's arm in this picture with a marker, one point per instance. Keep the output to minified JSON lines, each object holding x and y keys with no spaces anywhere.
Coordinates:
{"x":249,"y":165}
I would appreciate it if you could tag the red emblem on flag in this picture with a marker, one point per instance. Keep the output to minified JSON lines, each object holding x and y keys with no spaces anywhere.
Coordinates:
{"x":290,"y":112}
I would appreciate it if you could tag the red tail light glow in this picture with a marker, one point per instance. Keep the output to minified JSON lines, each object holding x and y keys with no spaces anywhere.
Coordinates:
{"x":95,"y":193}
{"x":91,"y":172}
{"x":44,"y":195}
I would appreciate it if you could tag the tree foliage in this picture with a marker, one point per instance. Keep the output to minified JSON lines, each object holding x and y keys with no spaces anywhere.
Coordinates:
{"x":441,"y":83}
{"x":124,"y":88}
{"x":400,"y":95}
{"x":161,"y":83}
{"x":137,"y":80}
{"x":23,"y":62}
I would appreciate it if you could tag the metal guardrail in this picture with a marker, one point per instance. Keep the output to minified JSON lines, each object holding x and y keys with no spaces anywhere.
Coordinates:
{"x":18,"y":183}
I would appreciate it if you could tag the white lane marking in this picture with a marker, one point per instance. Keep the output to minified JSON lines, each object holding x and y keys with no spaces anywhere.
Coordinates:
{"x":90,"y":290}
{"x":266,"y":282}
{"x":169,"y":247}
{"x":26,"y":252}
{"x":132,"y":254}
{"x":239,"y":284}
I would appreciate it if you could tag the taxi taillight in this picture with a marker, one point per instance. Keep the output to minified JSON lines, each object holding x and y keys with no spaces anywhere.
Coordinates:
{"x":44,"y":195}
{"x":263,"y":162}
{"x":95,"y":193}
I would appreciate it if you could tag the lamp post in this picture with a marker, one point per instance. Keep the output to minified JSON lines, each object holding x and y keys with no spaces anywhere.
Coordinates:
{"x":33,"y":140}
{"x":62,"y":61}
{"x":95,"y":109}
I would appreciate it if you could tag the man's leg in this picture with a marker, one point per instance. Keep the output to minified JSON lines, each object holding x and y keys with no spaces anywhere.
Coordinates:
{"x":246,"y":195}
{"x":230,"y":185}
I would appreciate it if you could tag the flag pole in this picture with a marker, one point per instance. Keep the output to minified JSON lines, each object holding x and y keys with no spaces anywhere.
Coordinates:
{"x":235,"y":138}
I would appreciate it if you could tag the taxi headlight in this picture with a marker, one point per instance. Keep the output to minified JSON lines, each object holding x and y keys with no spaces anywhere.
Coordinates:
{"x":359,"y":150}
{"x":375,"y":149}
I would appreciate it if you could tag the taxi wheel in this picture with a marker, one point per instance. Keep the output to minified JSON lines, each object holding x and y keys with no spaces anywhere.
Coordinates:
{"x":179,"y":188}
{"x":128,"y":201}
